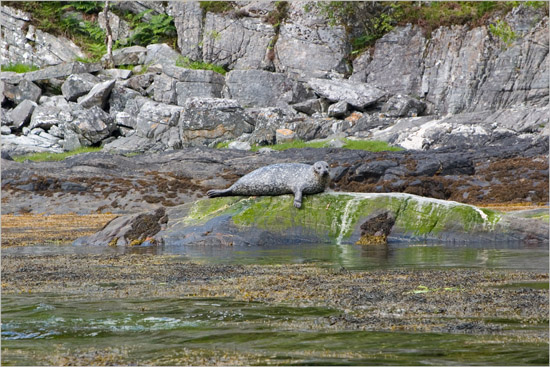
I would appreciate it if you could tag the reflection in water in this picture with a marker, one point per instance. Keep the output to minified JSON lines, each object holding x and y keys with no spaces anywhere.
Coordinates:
{"x":394,"y":255}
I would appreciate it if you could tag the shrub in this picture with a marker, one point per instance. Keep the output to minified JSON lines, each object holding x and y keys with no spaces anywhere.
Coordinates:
{"x":159,"y":28}
{"x":503,"y":31}
{"x":19,"y":68}
{"x":185,"y":62}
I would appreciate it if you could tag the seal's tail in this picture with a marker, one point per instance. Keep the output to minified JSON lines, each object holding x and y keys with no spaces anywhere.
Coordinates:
{"x":217,"y":193}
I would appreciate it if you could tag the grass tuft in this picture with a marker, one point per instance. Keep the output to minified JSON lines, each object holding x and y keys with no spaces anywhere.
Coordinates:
{"x":50,"y":157}
{"x":19,"y":68}
{"x":368,"y":145}
{"x":185,"y":62}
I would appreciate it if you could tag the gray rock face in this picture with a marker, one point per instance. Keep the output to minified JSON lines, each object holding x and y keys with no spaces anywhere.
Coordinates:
{"x":119,"y":97}
{"x":358,"y":95}
{"x":400,"y":106}
{"x":257,"y":88}
{"x":308,"y":47}
{"x":22,"y":91}
{"x":397,"y":62}
{"x":120,"y":29}
{"x":47,"y":116}
{"x":22,"y":43}
{"x":188,"y":19}
{"x":78,"y":85}
{"x":63,"y":70}
{"x":207,"y":121}
{"x":240,"y":43}
{"x":179,"y":84}
{"x":157,"y":121}
{"x":98,"y":95}
{"x":119,"y":74}
{"x":311,"y":106}
{"x":21,"y":114}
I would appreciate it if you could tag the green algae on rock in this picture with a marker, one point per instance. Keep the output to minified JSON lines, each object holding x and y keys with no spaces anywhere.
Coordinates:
{"x":333,"y":217}
{"x":337,"y":217}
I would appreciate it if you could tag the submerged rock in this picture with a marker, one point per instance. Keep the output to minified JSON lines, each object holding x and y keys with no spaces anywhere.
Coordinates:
{"x":341,"y":218}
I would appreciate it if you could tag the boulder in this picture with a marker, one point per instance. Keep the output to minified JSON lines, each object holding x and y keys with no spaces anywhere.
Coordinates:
{"x":164,"y":89}
{"x":22,"y":91}
{"x":142,"y":83}
{"x":208,"y":121}
{"x":98,"y":95}
{"x":119,"y":97}
{"x":402,"y":106}
{"x":78,"y":85}
{"x":338,"y":109}
{"x":5,"y":130}
{"x":161,"y":53}
{"x":284,"y":136}
{"x":239,"y":145}
{"x":47,"y":116}
{"x":119,"y":74}
{"x":21,"y":145}
{"x":311,"y":106}
{"x":63,"y":70}
{"x":258,"y":88}
{"x":21,"y":114}
{"x":358,"y":95}
{"x":267,"y":120}
{"x":54,"y":101}
{"x":133,"y":55}
{"x":236,"y":43}
{"x":91,"y":125}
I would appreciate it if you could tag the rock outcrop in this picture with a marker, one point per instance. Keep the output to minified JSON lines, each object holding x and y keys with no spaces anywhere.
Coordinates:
{"x":341,"y":218}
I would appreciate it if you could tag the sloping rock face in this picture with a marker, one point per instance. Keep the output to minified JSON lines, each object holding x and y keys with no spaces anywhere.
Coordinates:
{"x":22,"y":43}
{"x":339,"y":218}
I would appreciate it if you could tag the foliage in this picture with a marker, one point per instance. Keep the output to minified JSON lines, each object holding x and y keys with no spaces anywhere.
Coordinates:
{"x":503,"y":31}
{"x":160,"y":27}
{"x":185,"y":62}
{"x":47,"y":156}
{"x":368,"y":145}
{"x":19,"y":68}
{"x":217,"y":6}
{"x":88,"y":7}
{"x":278,"y":14}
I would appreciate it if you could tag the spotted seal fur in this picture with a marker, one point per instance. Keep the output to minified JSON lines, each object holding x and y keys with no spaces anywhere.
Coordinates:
{"x":280,"y":179}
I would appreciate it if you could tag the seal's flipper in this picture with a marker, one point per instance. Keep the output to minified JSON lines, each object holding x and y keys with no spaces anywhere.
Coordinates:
{"x":298,"y":199}
{"x":217,"y":193}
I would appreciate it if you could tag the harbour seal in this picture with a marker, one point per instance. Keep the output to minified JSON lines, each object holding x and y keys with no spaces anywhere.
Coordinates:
{"x":280,"y":179}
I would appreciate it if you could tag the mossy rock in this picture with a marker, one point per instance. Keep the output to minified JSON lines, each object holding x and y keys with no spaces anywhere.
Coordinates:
{"x":337,"y":218}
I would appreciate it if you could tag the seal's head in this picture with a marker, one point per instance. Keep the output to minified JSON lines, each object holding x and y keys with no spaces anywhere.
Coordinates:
{"x":321,"y":168}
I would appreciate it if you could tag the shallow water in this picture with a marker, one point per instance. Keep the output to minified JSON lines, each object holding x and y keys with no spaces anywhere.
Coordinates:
{"x":42,"y":329}
{"x":48,"y":329}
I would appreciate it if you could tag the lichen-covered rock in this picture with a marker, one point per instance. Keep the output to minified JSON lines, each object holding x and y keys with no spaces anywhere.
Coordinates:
{"x":267,"y":121}
{"x":129,"y":55}
{"x":207,"y":121}
{"x":78,"y":85}
{"x":91,"y":125}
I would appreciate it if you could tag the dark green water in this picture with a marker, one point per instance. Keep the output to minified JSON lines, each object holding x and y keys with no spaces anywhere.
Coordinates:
{"x":54,"y":329}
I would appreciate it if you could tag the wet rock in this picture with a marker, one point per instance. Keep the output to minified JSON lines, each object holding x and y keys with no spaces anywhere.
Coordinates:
{"x":358,"y":95}
{"x":376,"y":228}
{"x":78,"y":85}
{"x":98,"y":95}
{"x":128,"y":230}
{"x":21,"y":114}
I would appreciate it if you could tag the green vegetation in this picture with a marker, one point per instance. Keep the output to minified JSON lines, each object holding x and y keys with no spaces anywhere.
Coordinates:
{"x":44,"y":157}
{"x":19,"y":68}
{"x":369,"y":145}
{"x":185,"y":62}
{"x":160,"y":28}
{"x":504,"y":32}
{"x":377,"y":18}
{"x":217,"y":6}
